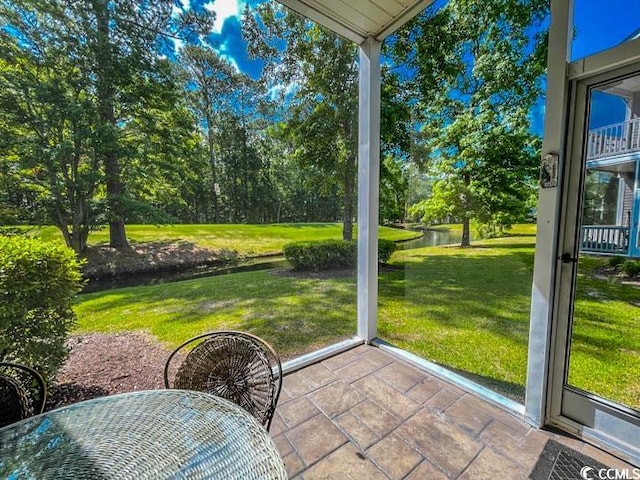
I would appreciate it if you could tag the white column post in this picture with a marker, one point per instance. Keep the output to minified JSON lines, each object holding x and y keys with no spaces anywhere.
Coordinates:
{"x":368,"y":180}
{"x":542,"y":297}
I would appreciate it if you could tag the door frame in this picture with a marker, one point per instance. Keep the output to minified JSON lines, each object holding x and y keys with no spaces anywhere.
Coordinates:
{"x":634,"y":228}
{"x":593,"y":419}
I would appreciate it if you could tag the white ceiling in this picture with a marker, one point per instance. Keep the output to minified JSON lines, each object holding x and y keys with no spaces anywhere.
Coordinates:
{"x":359,"y":19}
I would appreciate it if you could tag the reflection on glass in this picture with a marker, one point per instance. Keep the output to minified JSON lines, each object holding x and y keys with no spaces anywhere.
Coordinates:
{"x":615,"y":22}
{"x":605,"y":348}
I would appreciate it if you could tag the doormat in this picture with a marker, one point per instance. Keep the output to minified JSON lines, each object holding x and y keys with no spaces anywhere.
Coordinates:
{"x":559,"y":462}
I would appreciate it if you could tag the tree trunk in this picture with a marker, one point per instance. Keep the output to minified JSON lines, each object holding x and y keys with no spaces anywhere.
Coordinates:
{"x":214,"y":178}
{"x":466,"y":200}
{"x":466,"y":237}
{"x":212,"y":158}
{"x":349,"y":191}
{"x":107,"y":144}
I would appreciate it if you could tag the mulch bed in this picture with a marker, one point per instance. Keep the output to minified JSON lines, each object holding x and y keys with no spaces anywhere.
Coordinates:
{"x":103,"y":261}
{"x":105,"y":364}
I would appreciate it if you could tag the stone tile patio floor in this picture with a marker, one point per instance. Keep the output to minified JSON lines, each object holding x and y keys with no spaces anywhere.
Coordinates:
{"x":365,"y":414}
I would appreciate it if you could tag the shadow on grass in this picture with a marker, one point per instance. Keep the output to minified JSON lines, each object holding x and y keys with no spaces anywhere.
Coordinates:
{"x":466,"y":309}
{"x":469,"y":311}
{"x":294,"y":315}
{"x":459,"y":291}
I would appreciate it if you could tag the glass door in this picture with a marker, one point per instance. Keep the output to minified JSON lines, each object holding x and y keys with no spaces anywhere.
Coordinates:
{"x":598,"y":312}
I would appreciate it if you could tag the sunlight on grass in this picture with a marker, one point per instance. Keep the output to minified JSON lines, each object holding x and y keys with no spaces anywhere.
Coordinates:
{"x":294,"y":315}
{"x":605,"y":354}
{"x":466,"y":309}
{"x":246,"y":239}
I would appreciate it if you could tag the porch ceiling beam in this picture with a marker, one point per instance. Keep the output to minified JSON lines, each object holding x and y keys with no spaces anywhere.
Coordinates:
{"x":358,"y":20}
{"x":317,"y":16}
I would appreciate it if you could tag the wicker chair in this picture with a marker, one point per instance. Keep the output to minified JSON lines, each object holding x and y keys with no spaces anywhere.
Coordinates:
{"x":22,"y":392}
{"x":234,"y":365}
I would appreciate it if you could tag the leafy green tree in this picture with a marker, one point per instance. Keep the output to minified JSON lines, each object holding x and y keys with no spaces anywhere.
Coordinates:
{"x":209,"y":81}
{"x":477,"y":71}
{"x":394,"y":185}
{"x":301,"y":195}
{"x":115,"y":48}
{"x":321,"y":67}
{"x":46,"y":147}
{"x":396,"y":146}
{"x":164,"y":162}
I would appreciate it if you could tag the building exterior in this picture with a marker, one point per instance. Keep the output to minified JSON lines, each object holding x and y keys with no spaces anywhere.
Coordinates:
{"x":612,"y":192}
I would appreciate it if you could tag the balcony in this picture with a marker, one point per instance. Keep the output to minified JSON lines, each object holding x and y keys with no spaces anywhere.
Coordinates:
{"x":612,"y":140}
{"x":604,"y":239}
{"x":366,"y":414}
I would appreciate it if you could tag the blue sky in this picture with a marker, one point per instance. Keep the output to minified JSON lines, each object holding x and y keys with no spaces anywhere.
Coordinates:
{"x":603,"y":24}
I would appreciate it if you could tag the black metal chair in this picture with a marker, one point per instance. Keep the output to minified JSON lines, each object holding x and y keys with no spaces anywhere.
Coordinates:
{"x":22,"y":392}
{"x":237,"y":366}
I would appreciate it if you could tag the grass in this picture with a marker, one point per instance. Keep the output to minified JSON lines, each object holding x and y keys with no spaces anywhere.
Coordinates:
{"x":605,"y":355}
{"x":294,"y":315}
{"x":245,"y":239}
{"x":467,"y":309}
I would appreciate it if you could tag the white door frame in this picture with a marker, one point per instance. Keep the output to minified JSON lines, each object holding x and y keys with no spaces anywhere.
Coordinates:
{"x":587,"y":416}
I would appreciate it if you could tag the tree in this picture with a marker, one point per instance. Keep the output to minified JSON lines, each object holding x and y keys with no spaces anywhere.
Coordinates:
{"x":46,"y":147}
{"x":115,"y":46}
{"x":322,"y":69}
{"x":209,"y":80}
{"x":395,"y":146}
{"x":477,"y":71}
{"x":164,"y":161}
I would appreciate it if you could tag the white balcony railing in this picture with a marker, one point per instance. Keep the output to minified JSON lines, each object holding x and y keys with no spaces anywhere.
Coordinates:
{"x":604,"y":239}
{"x":615,"y":139}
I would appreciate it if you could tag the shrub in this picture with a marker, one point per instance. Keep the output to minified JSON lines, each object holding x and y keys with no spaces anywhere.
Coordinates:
{"x":327,"y":254}
{"x":38,"y":281}
{"x":615,"y":261}
{"x":385,"y":250}
{"x":320,"y":255}
{"x":631,"y":268}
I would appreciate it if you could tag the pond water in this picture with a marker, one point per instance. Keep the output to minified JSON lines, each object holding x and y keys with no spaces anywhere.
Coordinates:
{"x":432,"y":238}
{"x":153,"y":278}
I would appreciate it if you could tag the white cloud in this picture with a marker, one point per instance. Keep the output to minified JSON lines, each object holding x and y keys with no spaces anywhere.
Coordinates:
{"x":224,"y":9}
{"x":288,"y":89}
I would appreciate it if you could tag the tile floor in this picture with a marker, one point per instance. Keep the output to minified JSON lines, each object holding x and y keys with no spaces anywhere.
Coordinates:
{"x":364,"y":414}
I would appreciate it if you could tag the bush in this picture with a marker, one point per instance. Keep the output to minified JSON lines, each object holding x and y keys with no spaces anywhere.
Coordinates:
{"x":385,"y":250}
{"x":631,"y":268}
{"x":327,"y":254}
{"x":38,"y":281}
{"x":321,"y":255}
{"x":615,"y":261}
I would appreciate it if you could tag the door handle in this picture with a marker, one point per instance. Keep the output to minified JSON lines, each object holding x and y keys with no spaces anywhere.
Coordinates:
{"x":567,"y":258}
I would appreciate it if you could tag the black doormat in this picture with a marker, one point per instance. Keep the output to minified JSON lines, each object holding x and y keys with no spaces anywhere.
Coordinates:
{"x":559,"y":462}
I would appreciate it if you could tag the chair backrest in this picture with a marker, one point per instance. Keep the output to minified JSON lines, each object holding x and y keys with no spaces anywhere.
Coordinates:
{"x":234,"y":365}
{"x":22,"y":392}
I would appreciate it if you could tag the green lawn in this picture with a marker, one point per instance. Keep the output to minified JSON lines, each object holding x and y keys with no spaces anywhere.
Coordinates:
{"x":295,"y":315}
{"x":246,"y":239}
{"x":605,"y":355}
{"x":467,"y":309}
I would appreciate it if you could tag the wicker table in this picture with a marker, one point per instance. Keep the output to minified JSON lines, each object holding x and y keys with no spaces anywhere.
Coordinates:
{"x":142,"y":435}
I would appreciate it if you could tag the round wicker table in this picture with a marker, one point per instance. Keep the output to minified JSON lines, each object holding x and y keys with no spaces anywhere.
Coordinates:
{"x":175,"y":434}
